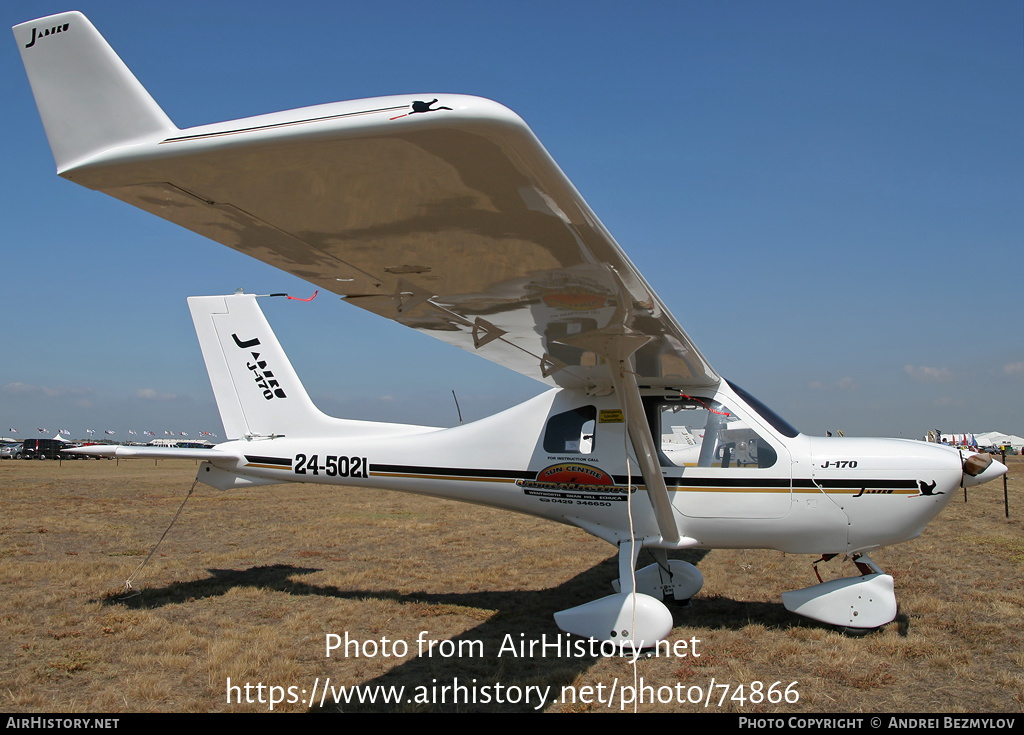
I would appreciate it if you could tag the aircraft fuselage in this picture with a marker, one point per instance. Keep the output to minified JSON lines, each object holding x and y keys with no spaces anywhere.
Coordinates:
{"x":817,"y":495}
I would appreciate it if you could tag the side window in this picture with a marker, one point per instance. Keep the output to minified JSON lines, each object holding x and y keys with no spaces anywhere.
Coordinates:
{"x":571,"y":432}
{"x":697,"y":432}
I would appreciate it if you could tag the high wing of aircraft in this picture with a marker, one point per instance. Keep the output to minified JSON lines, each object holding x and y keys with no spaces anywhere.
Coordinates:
{"x":445,"y":213}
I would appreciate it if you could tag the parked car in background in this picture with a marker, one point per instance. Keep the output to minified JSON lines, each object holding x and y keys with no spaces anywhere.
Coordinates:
{"x":43,"y":449}
{"x":11,"y":450}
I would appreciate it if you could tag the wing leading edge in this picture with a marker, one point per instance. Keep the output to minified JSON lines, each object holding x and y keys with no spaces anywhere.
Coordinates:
{"x":441,"y":212}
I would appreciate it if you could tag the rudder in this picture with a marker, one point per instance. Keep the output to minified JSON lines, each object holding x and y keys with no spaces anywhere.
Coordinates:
{"x":257,"y":390}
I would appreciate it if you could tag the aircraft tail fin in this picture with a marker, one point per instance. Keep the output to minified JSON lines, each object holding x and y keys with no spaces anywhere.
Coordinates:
{"x":88,"y":99}
{"x":257,"y":390}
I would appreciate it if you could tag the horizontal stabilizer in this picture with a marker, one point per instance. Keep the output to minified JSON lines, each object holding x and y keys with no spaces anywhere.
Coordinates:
{"x":143,"y":452}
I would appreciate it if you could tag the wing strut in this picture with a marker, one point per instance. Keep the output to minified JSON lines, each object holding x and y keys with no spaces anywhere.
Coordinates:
{"x":624,"y":380}
{"x":617,"y":343}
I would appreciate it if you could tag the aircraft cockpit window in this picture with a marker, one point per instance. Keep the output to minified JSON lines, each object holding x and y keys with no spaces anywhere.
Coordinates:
{"x":778,"y":423}
{"x":698,"y":432}
{"x":571,"y":432}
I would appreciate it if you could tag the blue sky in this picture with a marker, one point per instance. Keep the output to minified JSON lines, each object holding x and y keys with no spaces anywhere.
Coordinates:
{"x":828,"y":196}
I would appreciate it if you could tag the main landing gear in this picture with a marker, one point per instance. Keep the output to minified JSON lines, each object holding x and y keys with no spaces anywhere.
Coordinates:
{"x":635,"y":616}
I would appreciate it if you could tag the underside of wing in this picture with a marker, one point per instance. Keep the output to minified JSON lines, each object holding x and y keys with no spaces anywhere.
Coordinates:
{"x":441,"y":212}
{"x":454,"y":221}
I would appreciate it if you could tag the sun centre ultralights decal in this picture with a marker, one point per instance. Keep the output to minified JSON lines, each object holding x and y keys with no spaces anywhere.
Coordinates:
{"x":574,"y":482}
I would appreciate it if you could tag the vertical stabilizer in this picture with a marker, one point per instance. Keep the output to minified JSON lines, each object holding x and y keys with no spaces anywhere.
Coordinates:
{"x":88,"y":99}
{"x":257,"y":390}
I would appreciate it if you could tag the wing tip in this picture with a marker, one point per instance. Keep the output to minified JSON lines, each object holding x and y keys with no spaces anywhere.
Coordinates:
{"x":88,"y":99}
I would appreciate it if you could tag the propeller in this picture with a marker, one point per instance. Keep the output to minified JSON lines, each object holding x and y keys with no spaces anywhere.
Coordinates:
{"x":980,"y":468}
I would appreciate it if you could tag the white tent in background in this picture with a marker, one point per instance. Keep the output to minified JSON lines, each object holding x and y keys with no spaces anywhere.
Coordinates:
{"x":985,"y":439}
{"x":998,"y":439}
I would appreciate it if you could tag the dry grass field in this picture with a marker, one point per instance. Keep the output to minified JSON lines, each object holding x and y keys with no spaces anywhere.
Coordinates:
{"x":248,"y":584}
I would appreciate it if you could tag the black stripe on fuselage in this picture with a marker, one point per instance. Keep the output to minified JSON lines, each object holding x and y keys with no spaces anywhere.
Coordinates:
{"x":284,"y":462}
{"x":768,"y":483}
{"x":452,"y":471}
{"x":826,"y":484}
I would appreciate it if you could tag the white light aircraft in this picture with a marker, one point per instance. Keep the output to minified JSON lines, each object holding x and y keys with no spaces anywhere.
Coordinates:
{"x":445,"y":213}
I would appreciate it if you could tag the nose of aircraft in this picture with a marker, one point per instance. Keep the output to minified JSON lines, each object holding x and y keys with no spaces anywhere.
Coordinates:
{"x":981,"y":468}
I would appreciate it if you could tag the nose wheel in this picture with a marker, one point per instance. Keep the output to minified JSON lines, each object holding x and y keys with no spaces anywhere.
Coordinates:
{"x":856,"y":604}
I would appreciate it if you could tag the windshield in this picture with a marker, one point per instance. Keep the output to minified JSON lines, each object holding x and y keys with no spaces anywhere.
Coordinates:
{"x":778,"y":423}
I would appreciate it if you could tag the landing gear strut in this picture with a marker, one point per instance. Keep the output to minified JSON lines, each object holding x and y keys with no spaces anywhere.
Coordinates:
{"x":635,"y":616}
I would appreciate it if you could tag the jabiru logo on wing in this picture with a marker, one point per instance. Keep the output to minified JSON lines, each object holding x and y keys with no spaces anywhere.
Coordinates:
{"x":37,"y":34}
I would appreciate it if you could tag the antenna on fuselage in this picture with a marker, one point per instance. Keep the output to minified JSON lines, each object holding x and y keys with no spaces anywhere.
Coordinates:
{"x":457,"y":406}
